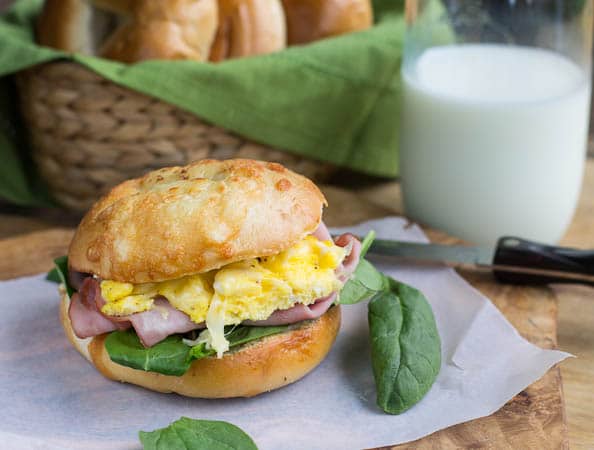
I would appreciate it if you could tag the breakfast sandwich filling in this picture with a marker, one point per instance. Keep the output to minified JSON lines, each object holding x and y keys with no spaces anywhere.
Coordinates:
{"x":250,"y":290}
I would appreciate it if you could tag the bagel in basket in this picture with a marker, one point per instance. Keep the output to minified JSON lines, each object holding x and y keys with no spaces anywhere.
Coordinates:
{"x":130,"y":30}
{"x":310,"y":20}
{"x":249,"y":27}
{"x":217,"y":279}
{"x":215,"y":30}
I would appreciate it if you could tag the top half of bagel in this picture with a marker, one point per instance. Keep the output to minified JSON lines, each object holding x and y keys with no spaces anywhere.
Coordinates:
{"x":179,"y":221}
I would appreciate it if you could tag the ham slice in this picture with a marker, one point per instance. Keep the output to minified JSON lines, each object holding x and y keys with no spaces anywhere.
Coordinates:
{"x":151,"y":326}
{"x":350,"y":263}
{"x":91,"y":290}
{"x":296,"y":313}
{"x":90,"y":294}
{"x":164,"y":320}
{"x":85,"y":318}
{"x":87,"y":322}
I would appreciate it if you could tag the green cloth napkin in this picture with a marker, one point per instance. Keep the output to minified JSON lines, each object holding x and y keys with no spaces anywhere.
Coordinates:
{"x":335,"y":100}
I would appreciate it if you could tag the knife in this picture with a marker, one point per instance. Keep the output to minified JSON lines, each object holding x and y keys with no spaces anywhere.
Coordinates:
{"x":513,"y":260}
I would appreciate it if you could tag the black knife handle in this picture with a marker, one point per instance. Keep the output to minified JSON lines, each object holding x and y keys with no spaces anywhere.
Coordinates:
{"x":516,"y":252}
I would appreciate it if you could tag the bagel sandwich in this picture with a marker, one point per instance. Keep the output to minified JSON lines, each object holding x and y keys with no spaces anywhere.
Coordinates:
{"x":217,"y":279}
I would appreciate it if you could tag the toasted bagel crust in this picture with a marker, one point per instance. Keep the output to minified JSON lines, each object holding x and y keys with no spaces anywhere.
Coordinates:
{"x":179,"y":221}
{"x":262,"y":366}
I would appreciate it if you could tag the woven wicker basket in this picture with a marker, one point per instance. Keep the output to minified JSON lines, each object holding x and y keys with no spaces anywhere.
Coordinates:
{"x":89,"y":134}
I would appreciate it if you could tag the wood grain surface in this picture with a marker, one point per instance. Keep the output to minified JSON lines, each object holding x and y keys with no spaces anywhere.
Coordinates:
{"x":576,"y":327}
{"x":534,"y":419}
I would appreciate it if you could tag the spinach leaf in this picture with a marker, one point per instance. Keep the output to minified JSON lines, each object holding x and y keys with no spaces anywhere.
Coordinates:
{"x":200,"y":351}
{"x":365,"y":281}
{"x":59,"y":274}
{"x":366,"y":243}
{"x":172,"y":356}
{"x":238,"y":335}
{"x":53,"y":275}
{"x":169,"y":357}
{"x":192,"y":434}
{"x":405,"y":346}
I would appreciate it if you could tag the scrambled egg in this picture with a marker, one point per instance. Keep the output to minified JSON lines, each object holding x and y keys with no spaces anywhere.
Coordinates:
{"x":247,"y":290}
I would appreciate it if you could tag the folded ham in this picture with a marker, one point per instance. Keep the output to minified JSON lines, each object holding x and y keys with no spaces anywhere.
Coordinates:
{"x":85,"y":316}
{"x":163,"y":320}
{"x":297,"y":313}
{"x":151,"y":326}
{"x":88,"y":321}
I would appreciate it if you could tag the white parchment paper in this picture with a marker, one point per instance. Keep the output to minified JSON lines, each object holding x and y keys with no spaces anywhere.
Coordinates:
{"x":50,"y":397}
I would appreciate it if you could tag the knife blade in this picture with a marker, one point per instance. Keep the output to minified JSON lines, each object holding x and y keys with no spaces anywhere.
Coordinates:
{"x":513,"y":260}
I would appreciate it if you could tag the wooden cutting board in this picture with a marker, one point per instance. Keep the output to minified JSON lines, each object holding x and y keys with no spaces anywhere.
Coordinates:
{"x":534,"y":419}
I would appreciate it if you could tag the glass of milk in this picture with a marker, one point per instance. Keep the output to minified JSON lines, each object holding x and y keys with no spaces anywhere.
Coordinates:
{"x":495,"y":112}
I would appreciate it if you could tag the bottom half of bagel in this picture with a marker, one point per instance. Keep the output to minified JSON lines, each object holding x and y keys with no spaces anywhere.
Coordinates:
{"x":263,"y":365}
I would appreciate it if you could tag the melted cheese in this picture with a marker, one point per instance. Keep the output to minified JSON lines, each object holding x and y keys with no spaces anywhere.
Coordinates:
{"x":248,"y":290}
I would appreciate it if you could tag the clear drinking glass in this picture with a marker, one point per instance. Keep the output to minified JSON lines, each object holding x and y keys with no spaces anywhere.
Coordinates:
{"x":495,"y":115}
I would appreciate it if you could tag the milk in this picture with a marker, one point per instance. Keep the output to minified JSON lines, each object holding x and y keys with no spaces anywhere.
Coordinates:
{"x":493,"y":140}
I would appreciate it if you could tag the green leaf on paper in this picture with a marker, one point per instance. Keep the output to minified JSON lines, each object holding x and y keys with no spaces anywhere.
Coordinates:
{"x":193,"y":434}
{"x":405,"y":346}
